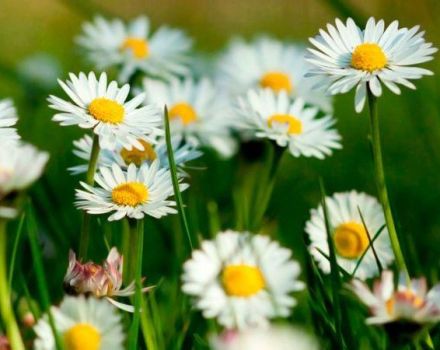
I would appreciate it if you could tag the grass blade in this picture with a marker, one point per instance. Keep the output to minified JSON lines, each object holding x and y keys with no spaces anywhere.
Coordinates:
{"x":14,"y":250}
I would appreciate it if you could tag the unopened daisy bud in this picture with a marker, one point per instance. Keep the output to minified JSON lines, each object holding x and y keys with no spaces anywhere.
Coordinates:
{"x":4,"y":343}
{"x":24,"y":312}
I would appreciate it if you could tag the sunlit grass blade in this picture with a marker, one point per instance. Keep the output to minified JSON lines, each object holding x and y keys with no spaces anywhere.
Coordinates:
{"x":17,"y":237}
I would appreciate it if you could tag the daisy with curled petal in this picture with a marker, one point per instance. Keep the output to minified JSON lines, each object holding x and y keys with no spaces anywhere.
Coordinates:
{"x":289,"y":123}
{"x":132,"y":47}
{"x":242,"y":279}
{"x":8,"y":119}
{"x":270,"y":64}
{"x":83,"y":324}
{"x":103,"y":107}
{"x":133,"y":193}
{"x":349,"y":235}
{"x":198,"y":112}
{"x":377,"y":55}
{"x":406,"y":302}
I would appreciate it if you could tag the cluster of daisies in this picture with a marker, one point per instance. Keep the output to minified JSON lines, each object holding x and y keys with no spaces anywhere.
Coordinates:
{"x":263,"y":90}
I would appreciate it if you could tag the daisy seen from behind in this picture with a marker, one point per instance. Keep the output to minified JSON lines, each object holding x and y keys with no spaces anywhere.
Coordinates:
{"x":349,"y":235}
{"x":365,"y":59}
{"x":242,"y":280}
{"x":8,"y":119}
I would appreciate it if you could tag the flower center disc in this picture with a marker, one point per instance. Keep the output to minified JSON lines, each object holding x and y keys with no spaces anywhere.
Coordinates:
{"x":106,"y":110}
{"x":184,"y":111}
{"x":351,"y":240}
{"x":368,"y":57}
{"x":130,"y":193}
{"x":82,"y":336}
{"x":407,"y":297}
{"x":137,"y":156}
{"x":138,"y":47}
{"x":242,"y":280}
{"x":294,"y":124}
{"x":276,"y":81}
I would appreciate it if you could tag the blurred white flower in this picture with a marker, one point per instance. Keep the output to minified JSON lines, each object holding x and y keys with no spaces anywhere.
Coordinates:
{"x":39,"y":70}
{"x":8,"y":119}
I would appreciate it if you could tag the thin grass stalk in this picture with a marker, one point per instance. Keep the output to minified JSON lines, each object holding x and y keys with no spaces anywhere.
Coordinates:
{"x":90,"y":180}
{"x":6,"y":309}
{"x":14,"y":250}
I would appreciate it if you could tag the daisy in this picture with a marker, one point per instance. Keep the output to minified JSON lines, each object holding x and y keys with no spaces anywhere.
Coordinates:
{"x":198,"y":112}
{"x":269,"y":63}
{"x":104,"y":108}
{"x":289,"y":123}
{"x":83,"y":323}
{"x":183,"y":153}
{"x":349,"y":235}
{"x":133,"y":193}
{"x":242,"y":279}
{"x":132,"y":47}
{"x":405,"y":302}
{"x":369,"y":58}
{"x":8,"y":119}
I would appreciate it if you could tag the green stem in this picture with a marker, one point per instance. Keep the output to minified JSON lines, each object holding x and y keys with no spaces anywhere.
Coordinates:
{"x":90,"y":179}
{"x":130,"y":242}
{"x":381,"y":185}
{"x":6,"y":310}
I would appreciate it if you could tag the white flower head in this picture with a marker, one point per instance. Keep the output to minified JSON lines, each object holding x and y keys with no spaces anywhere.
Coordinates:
{"x":8,"y":119}
{"x":133,"y":193}
{"x":132,"y":47}
{"x":407,"y":302}
{"x":289,"y":123}
{"x":104,"y":108}
{"x":351,"y":57}
{"x":198,"y":112}
{"x":83,"y":323}
{"x":269,"y":63}
{"x":349,"y":235}
{"x":242,"y":279}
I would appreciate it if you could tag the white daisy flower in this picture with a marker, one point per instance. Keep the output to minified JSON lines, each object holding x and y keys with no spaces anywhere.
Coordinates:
{"x":369,"y":58}
{"x":20,"y":166}
{"x":269,"y":63}
{"x":349,"y":235}
{"x":242,"y":279}
{"x":183,"y":153}
{"x":133,"y":193}
{"x":103,"y":107}
{"x":405,"y":302}
{"x":290,"y":123}
{"x":133,"y":47}
{"x":83,"y":323}
{"x":8,"y":119}
{"x":197,"y":110}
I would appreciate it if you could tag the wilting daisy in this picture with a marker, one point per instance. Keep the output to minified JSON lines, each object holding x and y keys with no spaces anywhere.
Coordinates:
{"x":276,"y":337}
{"x":133,"y":193}
{"x":83,"y":323}
{"x":197,"y":110}
{"x":290,"y":123}
{"x":8,"y":119}
{"x":133,"y":47}
{"x":373,"y":56}
{"x":183,"y":153}
{"x":104,"y":108}
{"x":20,"y":166}
{"x":269,"y":63}
{"x":349,"y":235}
{"x":100,"y":281}
{"x":405,"y":302}
{"x":242,"y":279}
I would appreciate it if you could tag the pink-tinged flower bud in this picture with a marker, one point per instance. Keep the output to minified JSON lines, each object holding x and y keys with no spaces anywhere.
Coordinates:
{"x":4,"y":343}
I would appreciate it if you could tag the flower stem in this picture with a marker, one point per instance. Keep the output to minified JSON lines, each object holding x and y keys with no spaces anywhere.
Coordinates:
{"x":381,"y":185}
{"x":6,"y":310}
{"x":90,"y":179}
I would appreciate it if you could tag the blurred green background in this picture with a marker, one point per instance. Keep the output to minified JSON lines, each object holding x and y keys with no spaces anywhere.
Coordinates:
{"x":410,"y":125}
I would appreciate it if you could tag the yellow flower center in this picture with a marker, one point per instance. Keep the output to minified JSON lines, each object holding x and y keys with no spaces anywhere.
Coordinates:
{"x":130,"y":193}
{"x":242,"y":280}
{"x":406,"y":296}
{"x":350,"y":240}
{"x":368,"y":57}
{"x":184,"y":111}
{"x":276,"y":81}
{"x":82,"y":336}
{"x":137,"y":156}
{"x":139,"y":47}
{"x":295,"y":125}
{"x":106,"y":110}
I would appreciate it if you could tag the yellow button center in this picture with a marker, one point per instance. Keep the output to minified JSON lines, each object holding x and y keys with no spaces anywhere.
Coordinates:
{"x":138,"y":47}
{"x":368,"y":57}
{"x":242,"y":280}
{"x":350,"y":240}
{"x":137,"y":156}
{"x":82,"y":336}
{"x":276,"y":81}
{"x":184,"y":112}
{"x":130,"y":194}
{"x":106,"y":110}
{"x":294,"y":124}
